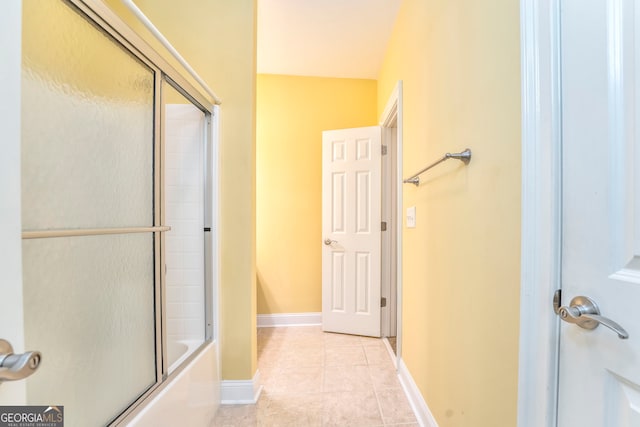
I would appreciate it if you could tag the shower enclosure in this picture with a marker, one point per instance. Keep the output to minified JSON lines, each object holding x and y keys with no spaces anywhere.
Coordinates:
{"x":116,"y":206}
{"x":184,"y":128}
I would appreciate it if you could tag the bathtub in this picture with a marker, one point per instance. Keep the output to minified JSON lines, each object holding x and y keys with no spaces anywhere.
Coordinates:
{"x":190,"y":397}
{"x":178,"y":351}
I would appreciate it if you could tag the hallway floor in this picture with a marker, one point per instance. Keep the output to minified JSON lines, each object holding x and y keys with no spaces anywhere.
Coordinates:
{"x":312,"y":378}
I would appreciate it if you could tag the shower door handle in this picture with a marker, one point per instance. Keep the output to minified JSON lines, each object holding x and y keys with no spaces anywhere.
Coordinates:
{"x":17,"y":366}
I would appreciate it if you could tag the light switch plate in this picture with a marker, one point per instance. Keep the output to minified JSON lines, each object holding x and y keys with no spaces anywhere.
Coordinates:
{"x":411,"y":217}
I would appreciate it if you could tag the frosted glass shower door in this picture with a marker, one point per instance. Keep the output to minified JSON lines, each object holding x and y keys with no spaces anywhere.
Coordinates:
{"x":89,"y":208}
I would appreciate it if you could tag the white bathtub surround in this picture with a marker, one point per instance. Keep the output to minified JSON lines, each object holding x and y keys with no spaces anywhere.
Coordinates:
{"x":191,"y":396}
{"x":184,"y":194}
{"x":189,"y":399}
{"x":289,"y":319}
{"x":236,"y":392}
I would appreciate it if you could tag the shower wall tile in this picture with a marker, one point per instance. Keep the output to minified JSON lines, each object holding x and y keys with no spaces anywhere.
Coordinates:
{"x":184,"y":214}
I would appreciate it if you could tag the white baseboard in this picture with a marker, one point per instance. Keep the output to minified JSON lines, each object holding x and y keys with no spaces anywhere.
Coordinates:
{"x":238,"y":392}
{"x":417,"y":402}
{"x":289,"y":319}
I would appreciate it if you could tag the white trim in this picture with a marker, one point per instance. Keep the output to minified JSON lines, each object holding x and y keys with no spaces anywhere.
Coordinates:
{"x":420,"y":409}
{"x":240,"y":392}
{"x":215,"y":231}
{"x":392,"y":106}
{"x":394,"y":110}
{"x":289,"y":319}
{"x":541,"y":212}
{"x":11,"y":309}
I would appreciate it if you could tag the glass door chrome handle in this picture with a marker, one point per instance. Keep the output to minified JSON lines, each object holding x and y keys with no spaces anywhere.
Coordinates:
{"x":17,"y":366}
{"x":329,"y":242}
{"x":584,"y":312}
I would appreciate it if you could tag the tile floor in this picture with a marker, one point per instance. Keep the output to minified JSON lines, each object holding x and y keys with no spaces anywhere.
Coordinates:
{"x":312,"y":378}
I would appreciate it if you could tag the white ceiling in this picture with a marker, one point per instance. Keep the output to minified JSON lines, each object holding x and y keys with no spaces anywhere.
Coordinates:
{"x":326,"y":38}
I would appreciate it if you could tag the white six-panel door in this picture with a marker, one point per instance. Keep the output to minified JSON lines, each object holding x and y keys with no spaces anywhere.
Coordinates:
{"x":599,"y":382}
{"x":351,"y":227}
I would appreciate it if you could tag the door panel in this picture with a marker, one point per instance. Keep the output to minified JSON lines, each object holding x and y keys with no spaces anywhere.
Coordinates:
{"x":338,"y":210}
{"x":351,"y":222}
{"x":599,"y":378}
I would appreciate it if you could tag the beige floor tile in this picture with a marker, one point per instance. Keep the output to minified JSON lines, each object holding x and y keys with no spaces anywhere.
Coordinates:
{"x":304,"y":332}
{"x":297,"y":379}
{"x":395,"y":406}
{"x":235,"y":416}
{"x":345,"y":355}
{"x":306,"y":340}
{"x":384,"y":376}
{"x":369,"y":340}
{"x":304,"y":356}
{"x":317,"y":379}
{"x":271,"y":333}
{"x":347,"y":378}
{"x":306,"y":344}
{"x":351,"y":409}
{"x":372,"y":342}
{"x":403,"y":425}
{"x":270,"y":355}
{"x":336,"y":340}
{"x":377,"y":355}
{"x":269,"y":343}
{"x":287,"y":354}
{"x":290,"y":410}
{"x":269,"y":375}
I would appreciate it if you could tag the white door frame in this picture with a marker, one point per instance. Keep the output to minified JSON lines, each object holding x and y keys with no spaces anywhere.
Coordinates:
{"x":11,"y":316}
{"x":392,"y":116}
{"x":541,"y":212}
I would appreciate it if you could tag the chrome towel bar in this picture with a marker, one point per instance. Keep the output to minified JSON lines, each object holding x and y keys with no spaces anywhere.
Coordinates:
{"x":464,"y":157}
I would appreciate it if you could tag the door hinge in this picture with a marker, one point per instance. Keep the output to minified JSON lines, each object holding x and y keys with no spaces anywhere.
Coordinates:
{"x":384,"y":150}
{"x":383,"y":302}
{"x":383,"y":226}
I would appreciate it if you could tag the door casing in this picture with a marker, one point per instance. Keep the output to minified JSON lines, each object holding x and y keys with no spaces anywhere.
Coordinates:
{"x":541,"y":212}
{"x":11,"y":315}
{"x":391,"y":124}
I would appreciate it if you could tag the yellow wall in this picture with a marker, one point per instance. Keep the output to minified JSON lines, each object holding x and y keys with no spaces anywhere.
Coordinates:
{"x":218,"y":38}
{"x":459,"y":61}
{"x":292,"y":112}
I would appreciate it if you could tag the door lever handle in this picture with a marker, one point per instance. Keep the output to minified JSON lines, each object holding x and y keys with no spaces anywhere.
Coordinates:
{"x":584,"y":312}
{"x":329,"y":242}
{"x":17,"y":366}
{"x":615,"y":327}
